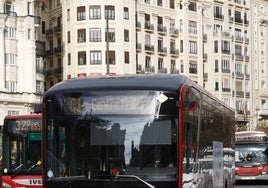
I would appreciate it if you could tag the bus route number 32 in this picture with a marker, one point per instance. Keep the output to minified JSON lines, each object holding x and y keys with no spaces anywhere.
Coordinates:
{"x":27,"y":125}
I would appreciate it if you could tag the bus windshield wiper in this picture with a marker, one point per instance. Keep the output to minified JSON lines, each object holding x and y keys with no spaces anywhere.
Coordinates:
{"x":17,"y":171}
{"x":137,"y":178}
{"x":35,"y":165}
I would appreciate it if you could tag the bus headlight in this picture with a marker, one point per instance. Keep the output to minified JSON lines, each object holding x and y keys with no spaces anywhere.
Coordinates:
{"x":5,"y":185}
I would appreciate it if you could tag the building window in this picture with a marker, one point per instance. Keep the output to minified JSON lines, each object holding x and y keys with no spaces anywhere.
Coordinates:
{"x":171,"y":4}
{"x":192,"y":6}
{"x":238,"y":50}
{"x":193,"y":67}
{"x":81,"y":35}
{"x":68,"y":37}
{"x":216,"y":46}
{"x":69,"y":58}
{"x":94,"y":12}
{"x":95,"y":35}
{"x":29,"y":34}
{"x":28,"y":8}
{"x":216,"y":66}
{"x":126,"y":35}
{"x":13,"y":113}
{"x":111,"y":35}
{"x":218,"y":12}
{"x":147,"y":62}
{"x":50,"y":5}
{"x":225,"y":47}
{"x":68,"y":14}
{"x":10,"y":59}
{"x":126,"y":13}
{"x":160,"y":64}
{"x":81,"y":13}
{"x":181,"y":46}
{"x":111,"y":57}
{"x":225,"y":65}
{"x":159,"y":3}
{"x":39,"y":88}
{"x":109,"y":10}
{"x":192,"y":27}
{"x":82,"y":58}
{"x":172,"y":65}
{"x":11,"y":86}
{"x":7,"y":7}
{"x":95,"y":58}
{"x":126,"y":57}
{"x":39,"y":65}
{"x":10,"y":32}
{"x":192,"y":47}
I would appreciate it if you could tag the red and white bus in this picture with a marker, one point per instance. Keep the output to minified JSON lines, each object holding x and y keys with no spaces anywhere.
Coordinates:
{"x":22,"y":151}
{"x":135,"y":131}
{"x":251,"y":155}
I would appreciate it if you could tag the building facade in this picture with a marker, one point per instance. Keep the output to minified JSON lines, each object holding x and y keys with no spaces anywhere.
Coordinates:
{"x":220,"y":44}
{"x":21,"y":57}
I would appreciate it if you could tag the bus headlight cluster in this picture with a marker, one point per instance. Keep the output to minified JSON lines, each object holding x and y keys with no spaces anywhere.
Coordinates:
{"x":5,"y":185}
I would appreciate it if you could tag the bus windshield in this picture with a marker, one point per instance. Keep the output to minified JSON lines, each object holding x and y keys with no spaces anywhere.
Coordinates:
{"x":251,"y":153}
{"x":103,"y":133}
{"x":21,"y":146}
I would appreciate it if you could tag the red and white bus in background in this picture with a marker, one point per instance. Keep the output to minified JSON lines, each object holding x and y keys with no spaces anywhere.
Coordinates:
{"x":251,"y":155}
{"x":22,"y":151}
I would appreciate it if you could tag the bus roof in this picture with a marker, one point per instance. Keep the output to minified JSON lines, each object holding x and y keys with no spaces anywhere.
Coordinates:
{"x":250,"y":133}
{"x":25,"y":116}
{"x":167,"y":82}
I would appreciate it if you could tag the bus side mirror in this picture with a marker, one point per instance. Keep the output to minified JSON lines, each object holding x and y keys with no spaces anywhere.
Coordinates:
{"x":190,"y":105}
{"x":38,"y":108}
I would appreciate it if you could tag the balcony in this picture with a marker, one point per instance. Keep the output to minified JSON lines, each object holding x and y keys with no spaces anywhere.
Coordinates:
{"x":57,"y":29}
{"x":239,"y":75}
{"x":40,"y":48}
{"x":205,"y":38}
{"x":37,"y":21}
{"x":162,"y":51}
{"x":263,"y":113}
{"x":138,"y":26}
{"x":49,"y":32}
{"x":138,"y":47}
{"x":238,"y":21}
{"x":57,"y":50}
{"x":240,"y":93}
{"x":53,"y":72}
{"x":174,"y":71}
{"x":162,"y":70}
{"x":49,"y":52}
{"x":174,"y":52}
{"x":226,"y":90}
{"x":149,"y":69}
{"x":219,"y":16}
{"x":149,"y":49}
{"x":205,"y":57}
{"x":238,"y":39}
{"x":174,"y":32}
{"x":161,"y":30}
{"x":149,"y":28}
{"x":239,"y":57}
